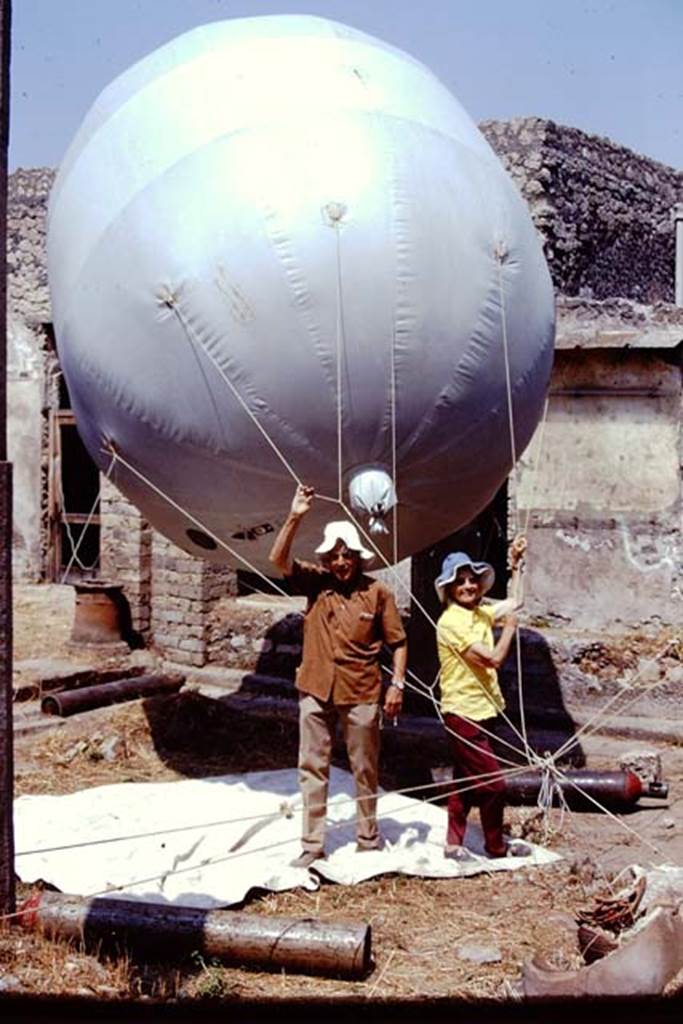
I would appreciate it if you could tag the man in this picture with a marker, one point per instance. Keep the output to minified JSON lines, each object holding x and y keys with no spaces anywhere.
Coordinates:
{"x":348,"y":618}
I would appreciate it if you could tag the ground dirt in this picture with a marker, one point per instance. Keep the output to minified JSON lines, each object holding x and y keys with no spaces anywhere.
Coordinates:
{"x":420,"y":927}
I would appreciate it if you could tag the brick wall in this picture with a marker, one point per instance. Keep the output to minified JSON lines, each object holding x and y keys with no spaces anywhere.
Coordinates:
{"x":184,"y":591}
{"x":126,"y":554}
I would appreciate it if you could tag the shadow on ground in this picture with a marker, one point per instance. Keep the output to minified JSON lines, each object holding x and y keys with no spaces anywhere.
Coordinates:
{"x":256,"y":729}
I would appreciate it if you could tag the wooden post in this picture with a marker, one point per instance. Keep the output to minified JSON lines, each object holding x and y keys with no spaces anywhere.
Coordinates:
{"x":7,"y":887}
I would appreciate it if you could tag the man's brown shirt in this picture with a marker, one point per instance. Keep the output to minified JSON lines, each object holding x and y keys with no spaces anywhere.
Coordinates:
{"x":344,"y":629}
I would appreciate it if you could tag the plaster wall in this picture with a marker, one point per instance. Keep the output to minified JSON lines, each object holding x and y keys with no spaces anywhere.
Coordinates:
{"x":594,"y":578}
{"x":24,"y":436}
{"x":611,"y":439}
{"x":600,"y":486}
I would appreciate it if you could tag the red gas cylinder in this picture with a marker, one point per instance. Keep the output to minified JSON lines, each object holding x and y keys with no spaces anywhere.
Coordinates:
{"x":585,"y":789}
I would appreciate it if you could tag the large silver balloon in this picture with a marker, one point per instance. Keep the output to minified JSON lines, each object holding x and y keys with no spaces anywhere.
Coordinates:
{"x":279,"y":249}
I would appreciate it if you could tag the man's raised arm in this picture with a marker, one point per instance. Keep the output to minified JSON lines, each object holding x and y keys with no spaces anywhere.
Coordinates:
{"x":280,"y":551}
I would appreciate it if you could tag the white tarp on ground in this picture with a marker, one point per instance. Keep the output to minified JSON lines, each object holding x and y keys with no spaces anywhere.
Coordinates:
{"x":213,"y":865}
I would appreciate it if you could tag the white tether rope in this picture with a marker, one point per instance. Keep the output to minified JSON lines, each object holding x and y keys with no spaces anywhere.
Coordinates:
{"x":198,"y":523}
{"x":171,"y":303}
{"x":340,"y":352}
{"x":500,"y":255}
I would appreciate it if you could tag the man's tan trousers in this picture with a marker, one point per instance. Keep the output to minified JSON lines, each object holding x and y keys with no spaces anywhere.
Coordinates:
{"x":360,"y":728}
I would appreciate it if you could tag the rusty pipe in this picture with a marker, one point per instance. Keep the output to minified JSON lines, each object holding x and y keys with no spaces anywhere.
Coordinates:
{"x":305,"y":945}
{"x":618,"y":790}
{"x":70,"y":702}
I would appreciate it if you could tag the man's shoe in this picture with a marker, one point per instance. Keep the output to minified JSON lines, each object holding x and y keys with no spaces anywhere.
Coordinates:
{"x":306,"y":858}
{"x":373,"y":847}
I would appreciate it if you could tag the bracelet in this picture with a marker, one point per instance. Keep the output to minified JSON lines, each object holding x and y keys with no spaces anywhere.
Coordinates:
{"x":398,"y":683}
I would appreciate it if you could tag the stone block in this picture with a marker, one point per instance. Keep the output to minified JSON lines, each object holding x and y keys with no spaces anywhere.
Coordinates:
{"x":646,"y":764}
{"x":192,"y":645}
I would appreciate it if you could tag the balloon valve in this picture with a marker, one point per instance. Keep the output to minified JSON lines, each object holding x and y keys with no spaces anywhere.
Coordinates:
{"x":378,"y":526}
{"x":373,"y":494}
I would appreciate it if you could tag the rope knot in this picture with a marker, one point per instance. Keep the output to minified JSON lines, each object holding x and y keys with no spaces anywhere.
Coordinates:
{"x":501,"y":251}
{"x":166,"y":297}
{"x":286,"y":809}
{"x":334,"y":213}
{"x":376,"y":522}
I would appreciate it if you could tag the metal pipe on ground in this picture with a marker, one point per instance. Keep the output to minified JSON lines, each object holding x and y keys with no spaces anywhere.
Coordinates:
{"x":305,"y":945}
{"x":618,"y":791}
{"x":71,"y":702}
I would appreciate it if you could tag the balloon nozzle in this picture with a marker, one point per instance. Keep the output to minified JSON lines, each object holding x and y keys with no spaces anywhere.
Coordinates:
{"x":373,"y":494}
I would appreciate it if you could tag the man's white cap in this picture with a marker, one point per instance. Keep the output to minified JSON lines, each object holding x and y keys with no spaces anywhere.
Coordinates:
{"x":346,"y":532}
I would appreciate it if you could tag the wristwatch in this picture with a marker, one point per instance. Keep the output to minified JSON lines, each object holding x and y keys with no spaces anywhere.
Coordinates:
{"x":400,"y":684}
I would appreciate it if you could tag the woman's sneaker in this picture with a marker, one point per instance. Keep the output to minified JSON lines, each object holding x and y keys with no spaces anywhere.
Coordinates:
{"x":512,"y":848}
{"x":456,"y":853}
{"x":518,"y":848}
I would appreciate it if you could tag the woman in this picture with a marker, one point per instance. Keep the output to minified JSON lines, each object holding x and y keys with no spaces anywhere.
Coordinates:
{"x":470,"y":695}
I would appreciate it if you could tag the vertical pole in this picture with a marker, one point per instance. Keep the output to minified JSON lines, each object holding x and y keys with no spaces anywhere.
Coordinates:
{"x":678,"y":228}
{"x":7,"y":888}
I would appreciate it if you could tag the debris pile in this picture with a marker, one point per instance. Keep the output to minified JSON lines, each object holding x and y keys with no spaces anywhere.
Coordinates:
{"x":631,"y":945}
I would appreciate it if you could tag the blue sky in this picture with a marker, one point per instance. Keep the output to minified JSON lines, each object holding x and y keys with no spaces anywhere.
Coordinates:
{"x":610,"y":67}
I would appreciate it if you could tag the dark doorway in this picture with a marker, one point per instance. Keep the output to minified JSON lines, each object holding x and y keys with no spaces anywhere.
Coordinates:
{"x":73,"y":499}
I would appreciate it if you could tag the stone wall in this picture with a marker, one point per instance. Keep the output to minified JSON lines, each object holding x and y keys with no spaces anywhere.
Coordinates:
{"x":28,"y":297}
{"x":603,"y":211}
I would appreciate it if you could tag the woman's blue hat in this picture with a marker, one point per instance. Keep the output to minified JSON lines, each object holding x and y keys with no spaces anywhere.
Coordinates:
{"x":457,"y":560}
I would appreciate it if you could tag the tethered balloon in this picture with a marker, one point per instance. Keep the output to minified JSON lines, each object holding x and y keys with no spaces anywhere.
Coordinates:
{"x":280,"y":250}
